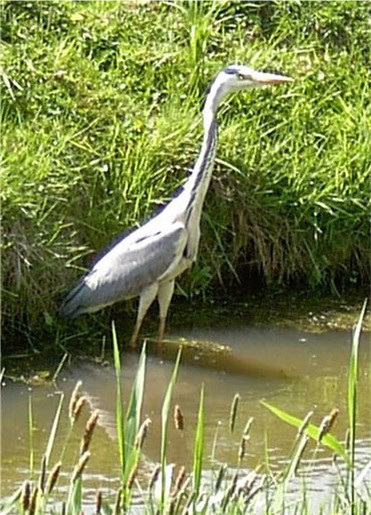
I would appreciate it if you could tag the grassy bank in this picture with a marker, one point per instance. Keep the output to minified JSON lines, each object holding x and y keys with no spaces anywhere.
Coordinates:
{"x":100,"y":124}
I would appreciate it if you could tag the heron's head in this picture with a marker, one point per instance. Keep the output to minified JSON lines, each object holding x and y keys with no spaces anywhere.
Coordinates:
{"x":238,"y":77}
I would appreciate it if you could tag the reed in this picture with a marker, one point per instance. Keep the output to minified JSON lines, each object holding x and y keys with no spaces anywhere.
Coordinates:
{"x":233,"y":490}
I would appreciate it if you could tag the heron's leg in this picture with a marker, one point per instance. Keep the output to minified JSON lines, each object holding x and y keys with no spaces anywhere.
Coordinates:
{"x":165,"y":292}
{"x":147,"y":296}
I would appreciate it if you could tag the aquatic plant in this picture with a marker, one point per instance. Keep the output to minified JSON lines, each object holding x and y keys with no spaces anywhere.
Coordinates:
{"x":226,"y":490}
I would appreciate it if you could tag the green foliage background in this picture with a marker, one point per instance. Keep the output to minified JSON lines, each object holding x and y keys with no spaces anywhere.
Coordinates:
{"x":101,"y":123}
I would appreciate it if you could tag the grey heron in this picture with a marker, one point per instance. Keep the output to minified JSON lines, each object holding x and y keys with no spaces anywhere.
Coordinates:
{"x":146,"y":262}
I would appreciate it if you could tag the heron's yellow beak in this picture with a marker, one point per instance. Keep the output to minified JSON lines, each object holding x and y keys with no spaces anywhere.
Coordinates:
{"x":270,"y":78}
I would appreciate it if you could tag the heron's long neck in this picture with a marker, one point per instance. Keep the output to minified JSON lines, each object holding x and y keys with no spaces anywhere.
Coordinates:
{"x":198,"y":183}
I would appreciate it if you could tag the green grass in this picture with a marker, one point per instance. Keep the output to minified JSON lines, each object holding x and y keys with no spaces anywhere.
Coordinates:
{"x":233,"y":491}
{"x":101,"y":123}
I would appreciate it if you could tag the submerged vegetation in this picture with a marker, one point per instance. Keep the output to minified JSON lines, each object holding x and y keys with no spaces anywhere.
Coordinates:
{"x":223,"y":489}
{"x":100,"y":124}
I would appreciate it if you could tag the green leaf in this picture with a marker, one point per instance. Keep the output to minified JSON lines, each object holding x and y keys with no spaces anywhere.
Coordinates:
{"x":313,"y":431}
{"x":133,"y":415}
{"x":199,"y":446}
{"x":119,"y":407}
{"x":53,"y":430}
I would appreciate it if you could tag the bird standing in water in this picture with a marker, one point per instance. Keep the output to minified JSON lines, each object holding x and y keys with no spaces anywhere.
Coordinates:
{"x":146,"y":262}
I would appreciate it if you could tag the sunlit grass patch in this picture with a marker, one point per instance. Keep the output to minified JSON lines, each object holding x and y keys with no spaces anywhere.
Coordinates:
{"x":101,"y":123}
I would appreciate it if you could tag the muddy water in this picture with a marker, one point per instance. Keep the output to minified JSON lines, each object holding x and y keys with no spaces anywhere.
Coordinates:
{"x":295,"y":371}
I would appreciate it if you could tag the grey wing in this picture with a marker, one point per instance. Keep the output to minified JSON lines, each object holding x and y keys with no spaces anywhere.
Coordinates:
{"x":126,"y":269}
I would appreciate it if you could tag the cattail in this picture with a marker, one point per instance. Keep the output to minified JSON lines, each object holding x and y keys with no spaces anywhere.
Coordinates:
{"x":78,"y":408}
{"x":242,"y":447}
{"x":220,"y":476}
{"x":178,"y":418}
{"x":79,"y":468}
{"x":33,"y":501}
{"x":303,"y":445}
{"x":154,"y":476}
{"x":89,"y":429}
{"x":327,"y":423}
{"x":142,"y":433}
{"x":42,"y":474}
{"x":53,"y":477}
{"x":230,"y":491}
{"x":26,"y":495}
{"x":98,"y":501}
{"x":75,"y":395}
{"x":131,"y":478}
{"x":179,"y":481}
{"x":117,"y":508}
{"x":246,"y":431}
{"x":233,"y":412}
{"x":305,"y":423}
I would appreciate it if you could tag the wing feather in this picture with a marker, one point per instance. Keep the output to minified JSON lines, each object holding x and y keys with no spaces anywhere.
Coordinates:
{"x":134,"y":263}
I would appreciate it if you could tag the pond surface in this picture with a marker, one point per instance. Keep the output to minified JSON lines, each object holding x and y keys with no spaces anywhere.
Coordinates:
{"x":293,"y":370}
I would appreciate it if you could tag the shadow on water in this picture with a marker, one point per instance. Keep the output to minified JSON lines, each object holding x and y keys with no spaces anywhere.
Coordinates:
{"x":294,"y":370}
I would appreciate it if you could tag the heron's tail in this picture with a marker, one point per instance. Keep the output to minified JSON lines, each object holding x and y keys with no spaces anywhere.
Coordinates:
{"x":73,"y":304}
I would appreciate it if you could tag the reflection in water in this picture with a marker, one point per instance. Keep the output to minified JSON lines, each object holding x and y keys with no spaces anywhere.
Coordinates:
{"x":294,"y":371}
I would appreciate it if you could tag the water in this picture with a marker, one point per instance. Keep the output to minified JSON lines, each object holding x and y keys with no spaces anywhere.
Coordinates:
{"x":295,"y":371}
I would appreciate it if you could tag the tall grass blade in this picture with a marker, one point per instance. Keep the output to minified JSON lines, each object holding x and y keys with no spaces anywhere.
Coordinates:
{"x":53,"y":431}
{"x":199,"y":447}
{"x":164,"y":420}
{"x":313,"y":431}
{"x":352,"y":396}
{"x":30,"y":433}
{"x":133,"y":415}
{"x":119,"y":406}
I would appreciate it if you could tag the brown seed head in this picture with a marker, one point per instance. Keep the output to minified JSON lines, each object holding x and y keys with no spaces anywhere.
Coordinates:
{"x":42,"y":474}
{"x":53,"y":477}
{"x":233,"y":412}
{"x":178,"y":418}
{"x":327,"y":423}
{"x":220,"y":476}
{"x":154,"y":476}
{"x":75,"y":395}
{"x":98,"y":501}
{"x":35,"y":493}
{"x":79,"y":468}
{"x":78,"y":408}
{"x":242,"y":448}
{"x":179,"y":481}
{"x":26,"y":495}
{"x":142,"y":433}
{"x":89,"y":429}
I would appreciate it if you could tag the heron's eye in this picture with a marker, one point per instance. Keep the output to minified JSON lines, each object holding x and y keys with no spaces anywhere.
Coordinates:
{"x":241,"y":77}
